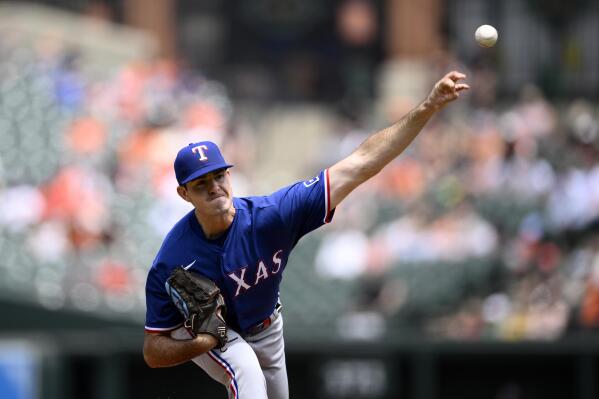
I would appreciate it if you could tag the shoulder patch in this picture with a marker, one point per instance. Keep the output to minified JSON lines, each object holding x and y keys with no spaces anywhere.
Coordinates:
{"x":311,"y":182}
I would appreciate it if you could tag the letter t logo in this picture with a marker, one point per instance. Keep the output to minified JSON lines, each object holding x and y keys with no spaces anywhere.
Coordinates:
{"x":200,"y":150}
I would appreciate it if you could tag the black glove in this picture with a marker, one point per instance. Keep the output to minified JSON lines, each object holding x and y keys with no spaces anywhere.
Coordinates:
{"x":200,"y":302}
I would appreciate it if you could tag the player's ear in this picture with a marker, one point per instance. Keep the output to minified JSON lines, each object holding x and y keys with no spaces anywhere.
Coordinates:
{"x":182,"y":191}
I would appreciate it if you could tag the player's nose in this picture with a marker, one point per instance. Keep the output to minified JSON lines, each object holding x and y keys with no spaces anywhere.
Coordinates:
{"x":211,"y":186}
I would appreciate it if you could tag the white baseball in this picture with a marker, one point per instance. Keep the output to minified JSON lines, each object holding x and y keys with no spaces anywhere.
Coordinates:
{"x":486,"y":35}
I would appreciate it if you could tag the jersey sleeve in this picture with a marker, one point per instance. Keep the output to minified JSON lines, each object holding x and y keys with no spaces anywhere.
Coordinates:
{"x":161,"y":313}
{"x":304,"y":206}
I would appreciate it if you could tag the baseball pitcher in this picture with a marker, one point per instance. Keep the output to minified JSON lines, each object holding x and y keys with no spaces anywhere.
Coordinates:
{"x":212,"y":293}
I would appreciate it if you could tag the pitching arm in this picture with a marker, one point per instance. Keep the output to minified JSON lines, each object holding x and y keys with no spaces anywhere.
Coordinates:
{"x":160,"y":350}
{"x":385,"y":145}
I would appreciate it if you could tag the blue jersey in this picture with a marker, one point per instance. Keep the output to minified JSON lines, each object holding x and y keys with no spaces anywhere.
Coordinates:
{"x":249,"y":265}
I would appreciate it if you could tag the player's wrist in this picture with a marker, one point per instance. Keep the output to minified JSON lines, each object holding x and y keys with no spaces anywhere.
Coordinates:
{"x":208,"y":341}
{"x":430,"y":106}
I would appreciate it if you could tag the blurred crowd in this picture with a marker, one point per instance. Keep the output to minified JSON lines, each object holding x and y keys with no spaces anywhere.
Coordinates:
{"x":501,"y":195}
{"x":487,"y":227}
{"x":87,"y":183}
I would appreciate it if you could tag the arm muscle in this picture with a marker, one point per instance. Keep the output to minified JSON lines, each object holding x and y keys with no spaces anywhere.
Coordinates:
{"x":375,"y":152}
{"x":160,"y":350}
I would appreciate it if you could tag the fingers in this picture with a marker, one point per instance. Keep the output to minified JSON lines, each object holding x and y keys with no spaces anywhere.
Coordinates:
{"x":447,"y":85}
{"x":448,"y":88}
{"x":455,"y":76}
{"x":461,"y":86}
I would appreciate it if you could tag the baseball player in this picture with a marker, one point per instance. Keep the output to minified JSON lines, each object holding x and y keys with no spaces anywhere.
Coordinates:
{"x":243,"y":244}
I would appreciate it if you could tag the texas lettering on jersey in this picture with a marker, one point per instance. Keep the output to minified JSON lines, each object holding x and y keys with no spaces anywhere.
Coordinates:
{"x":262,"y":273}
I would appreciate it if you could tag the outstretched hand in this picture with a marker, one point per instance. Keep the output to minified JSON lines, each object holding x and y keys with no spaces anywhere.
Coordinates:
{"x":447,"y":89}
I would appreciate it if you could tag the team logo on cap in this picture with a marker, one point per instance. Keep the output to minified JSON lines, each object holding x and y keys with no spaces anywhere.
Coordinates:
{"x":200,"y":150}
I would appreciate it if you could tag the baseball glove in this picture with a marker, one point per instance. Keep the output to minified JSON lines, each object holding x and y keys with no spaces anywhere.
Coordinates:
{"x":199,"y":301}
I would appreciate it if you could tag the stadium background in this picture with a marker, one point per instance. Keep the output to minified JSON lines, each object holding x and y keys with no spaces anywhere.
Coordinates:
{"x":469,"y":268}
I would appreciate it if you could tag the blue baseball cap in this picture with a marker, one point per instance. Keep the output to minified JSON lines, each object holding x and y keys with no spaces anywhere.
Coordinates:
{"x":197,"y":159}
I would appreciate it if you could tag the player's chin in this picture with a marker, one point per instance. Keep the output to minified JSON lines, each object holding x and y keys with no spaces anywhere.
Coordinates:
{"x":220,"y":204}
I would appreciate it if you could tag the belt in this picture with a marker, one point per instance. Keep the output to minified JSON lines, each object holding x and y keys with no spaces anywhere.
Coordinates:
{"x":264,"y":324}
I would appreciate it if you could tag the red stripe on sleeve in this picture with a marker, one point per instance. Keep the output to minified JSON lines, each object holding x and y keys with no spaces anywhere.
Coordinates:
{"x":328,"y":215}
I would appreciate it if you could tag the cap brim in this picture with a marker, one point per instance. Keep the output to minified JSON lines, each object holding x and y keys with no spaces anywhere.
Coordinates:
{"x":202,"y":172}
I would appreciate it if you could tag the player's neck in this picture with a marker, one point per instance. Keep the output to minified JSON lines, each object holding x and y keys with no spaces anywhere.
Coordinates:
{"x":214,"y":226}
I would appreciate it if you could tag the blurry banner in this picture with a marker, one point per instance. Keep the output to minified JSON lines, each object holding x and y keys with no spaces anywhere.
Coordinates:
{"x":354,"y":378}
{"x":19,"y":371}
